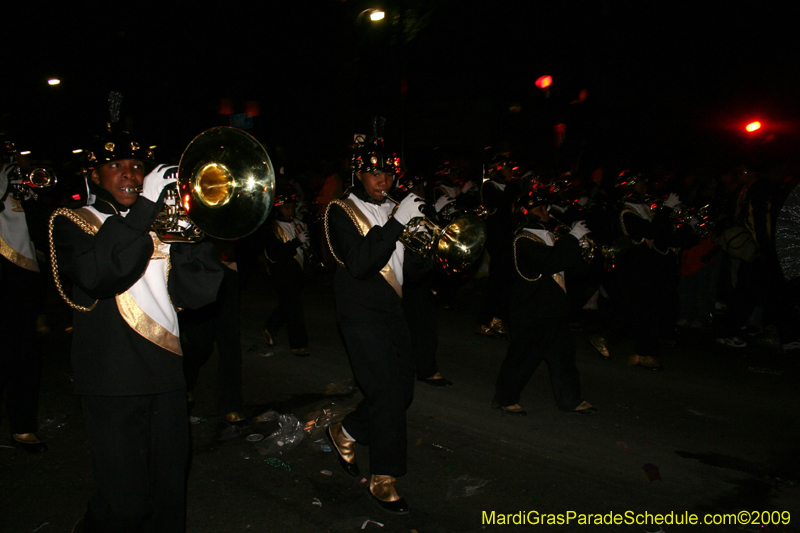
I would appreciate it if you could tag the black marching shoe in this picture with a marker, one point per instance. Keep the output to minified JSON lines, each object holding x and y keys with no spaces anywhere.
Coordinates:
{"x":383,"y":490}
{"x":29,"y":442}
{"x":344,"y":448}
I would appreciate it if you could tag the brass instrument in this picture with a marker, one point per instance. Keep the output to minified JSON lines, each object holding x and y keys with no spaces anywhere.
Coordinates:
{"x":590,"y":249}
{"x":683,"y":214}
{"x":455,"y":247}
{"x":225,"y":187}
{"x":20,"y":181}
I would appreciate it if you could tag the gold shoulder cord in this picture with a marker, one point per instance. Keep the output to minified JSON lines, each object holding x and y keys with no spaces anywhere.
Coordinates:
{"x":622,"y":214}
{"x":86,"y":227}
{"x":327,"y":231}
{"x":525,"y":235}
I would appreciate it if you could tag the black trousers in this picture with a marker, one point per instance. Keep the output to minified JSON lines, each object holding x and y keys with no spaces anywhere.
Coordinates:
{"x":139,"y":448}
{"x":289,"y":311}
{"x":545,"y":339}
{"x":497,"y":294}
{"x":380,"y":354}
{"x":419,"y":307}
{"x":20,"y":359}
{"x":216,"y":323}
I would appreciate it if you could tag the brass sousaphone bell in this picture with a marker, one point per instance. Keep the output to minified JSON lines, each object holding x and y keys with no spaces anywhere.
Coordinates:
{"x":225,"y":188}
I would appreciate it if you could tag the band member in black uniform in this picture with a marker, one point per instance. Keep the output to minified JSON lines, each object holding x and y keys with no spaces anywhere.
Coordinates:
{"x":287,"y":246}
{"x":372,"y":268}
{"x":126,"y":353}
{"x":640,"y":292}
{"x":20,"y":297}
{"x":217,"y":324}
{"x":497,"y":194}
{"x":539,"y":323}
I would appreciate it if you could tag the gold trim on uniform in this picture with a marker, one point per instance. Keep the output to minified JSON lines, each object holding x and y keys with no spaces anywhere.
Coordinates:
{"x":145,"y":326}
{"x":17,"y":258}
{"x":557,"y":277}
{"x":363,"y":225}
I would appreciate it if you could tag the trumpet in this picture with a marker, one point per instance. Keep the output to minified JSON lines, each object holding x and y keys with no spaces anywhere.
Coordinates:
{"x":21,"y":181}
{"x":455,"y":247}
{"x":590,"y":249}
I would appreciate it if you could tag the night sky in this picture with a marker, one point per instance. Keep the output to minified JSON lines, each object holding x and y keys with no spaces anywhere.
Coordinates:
{"x":668,"y":83}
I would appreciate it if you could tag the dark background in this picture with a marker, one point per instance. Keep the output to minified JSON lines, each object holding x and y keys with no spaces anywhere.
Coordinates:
{"x":666,"y":83}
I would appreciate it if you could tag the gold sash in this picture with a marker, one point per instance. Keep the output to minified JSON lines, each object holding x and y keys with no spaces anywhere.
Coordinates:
{"x":363,"y":224}
{"x":17,"y":258}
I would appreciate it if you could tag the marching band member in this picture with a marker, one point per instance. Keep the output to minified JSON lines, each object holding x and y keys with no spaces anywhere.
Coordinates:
{"x":20,"y":296}
{"x":126,"y":353}
{"x":539,"y":323}
{"x":286,"y":247}
{"x":498,"y":193}
{"x":639,"y":295}
{"x":372,"y":268}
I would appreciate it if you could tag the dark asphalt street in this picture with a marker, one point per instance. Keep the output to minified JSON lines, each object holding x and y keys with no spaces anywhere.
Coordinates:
{"x":719,"y":424}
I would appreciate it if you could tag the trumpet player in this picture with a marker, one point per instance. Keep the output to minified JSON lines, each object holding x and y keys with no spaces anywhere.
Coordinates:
{"x":21,"y":291}
{"x":539,"y":310}
{"x":126,"y":354}
{"x":286,"y":246}
{"x":363,"y":232}
{"x":641,"y":297}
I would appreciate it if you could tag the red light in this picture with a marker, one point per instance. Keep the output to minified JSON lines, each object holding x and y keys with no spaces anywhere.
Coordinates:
{"x":76,"y":197}
{"x":544,"y":82}
{"x":753,"y":126}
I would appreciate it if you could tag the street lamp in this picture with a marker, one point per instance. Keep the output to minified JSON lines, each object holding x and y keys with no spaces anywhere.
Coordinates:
{"x":374,"y":15}
{"x":53,"y":81}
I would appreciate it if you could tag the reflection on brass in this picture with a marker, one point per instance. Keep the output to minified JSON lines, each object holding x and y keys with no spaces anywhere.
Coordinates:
{"x":214,"y":185}
{"x":134,"y":145}
{"x":109,"y":147}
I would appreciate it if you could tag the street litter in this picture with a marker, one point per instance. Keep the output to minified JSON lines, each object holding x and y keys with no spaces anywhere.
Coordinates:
{"x":231,"y":432}
{"x":326,"y":472}
{"x":40,"y":526}
{"x":277,"y":463}
{"x":316,"y":502}
{"x":321,"y":446}
{"x":266,"y":417}
{"x":283,"y":440}
{"x":53,"y":422}
{"x":370,"y":521}
{"x":440,"y":447}
{"x":328,"y":414}
{"x":254,"y":437}
{"x":340,"y":388}
{"x":660,"y":530}
{"x":266,"y":354}
{"x":651,"y":471}
{"x":465,"y":486}
{"x":197,"y":420}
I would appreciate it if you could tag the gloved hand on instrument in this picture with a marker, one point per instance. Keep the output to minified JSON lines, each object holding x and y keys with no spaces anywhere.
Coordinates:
{"x":467,"y":186}
{"x":672,"y":200}
{"x":579,"y":230}
{"x":303,"y":237}
{"x":156,"y":181}
{"x":409,"y":208}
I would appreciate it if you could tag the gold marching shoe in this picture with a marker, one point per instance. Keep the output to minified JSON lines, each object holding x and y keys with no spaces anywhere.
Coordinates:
{"x":515,"y":410}
{"x":644,"y":361}
{"x":495,"y":328}
{"x":601,"y":345}
{"x":345,"y":448}
{"x":29,"y":442}
{"x":300,"y":352}
{"x":383,"y":490}
{"x":235,"y":419}
{"x":268,"y":338}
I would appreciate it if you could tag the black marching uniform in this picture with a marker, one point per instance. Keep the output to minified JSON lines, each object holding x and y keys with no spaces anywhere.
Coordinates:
{"x":127,"y":367}
{"x":20,"y":299}
{"x":539,"y":324}
{"x":370,"y":314}
{"x":286,"y":257}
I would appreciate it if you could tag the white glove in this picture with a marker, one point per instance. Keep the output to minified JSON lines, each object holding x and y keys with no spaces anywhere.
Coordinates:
{"x":5,"y":175}
{"x":303,"y":237}
{"x":579,"y":230}
{"x":672,"y":200}
{"x":409,"y":208}
{"x":159,"y":178}
{"x":583,"y":200}
{"x":467,"y":186}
